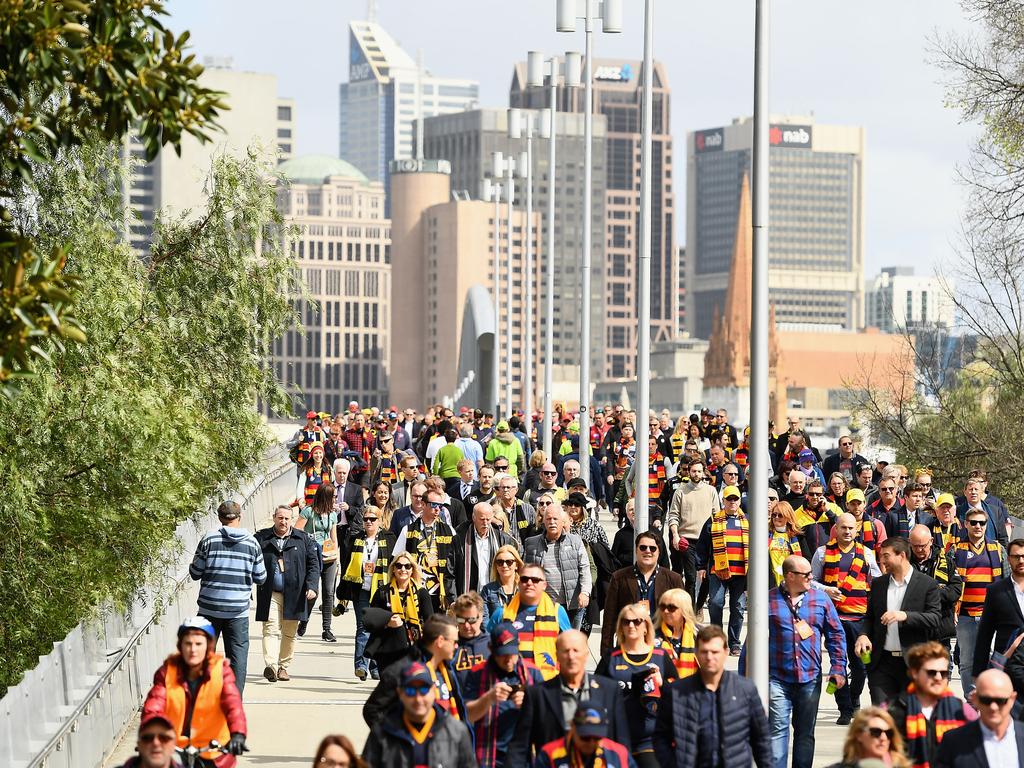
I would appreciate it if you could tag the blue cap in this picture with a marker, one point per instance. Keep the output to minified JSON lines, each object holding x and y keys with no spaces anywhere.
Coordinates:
{"x":590,"y":722}
{"x":504,"y":639}
{"x":416,"y":672}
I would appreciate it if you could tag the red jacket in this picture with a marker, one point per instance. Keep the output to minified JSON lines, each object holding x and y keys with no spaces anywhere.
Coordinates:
{"x":230,"y":702}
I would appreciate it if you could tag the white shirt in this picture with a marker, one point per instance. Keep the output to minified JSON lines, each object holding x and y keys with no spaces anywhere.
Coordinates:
{"x":369,"y":556}
{"x":894,"y":602}
{"x":483,"y":558}
{"x":1000,"y":753}
{"x":1019,"y":594}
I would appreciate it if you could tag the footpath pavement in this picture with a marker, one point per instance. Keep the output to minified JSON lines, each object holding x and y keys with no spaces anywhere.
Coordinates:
{"x":288,"y":719}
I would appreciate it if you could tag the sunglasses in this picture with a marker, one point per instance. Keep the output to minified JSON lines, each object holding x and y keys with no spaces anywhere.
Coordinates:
{"x":668,"y":608}
{"x":647,"y":547}
{"x":508,"y":487}
{"x":531,"y":579}
{"x":501,"y":467}
{"x":369,"y":519}
{"x":731,"y":474}
{"x":149,"y":738}
{"x":815,"y":494}
{"x":504,"y":563}
{"x":877,"y":733}
{"x":978,"y":523}
{"x":888,"y":489}
{"x":549,"y":474}
{"x":435,"y":504}
{"x":802,"y":574}
{"x":403,"y":566}
{"x":633,"y":622}
{"x":417,"y":690}
{"x":545,"y":503}
{"x":988,"y":701}
{"x":926,"y":485}
{"x":467,"y":620}
{"x":943,"y":673}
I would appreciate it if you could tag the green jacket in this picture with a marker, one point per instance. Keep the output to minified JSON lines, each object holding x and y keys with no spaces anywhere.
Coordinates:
{"x":506,"y":444}
{"x":446,"y":461}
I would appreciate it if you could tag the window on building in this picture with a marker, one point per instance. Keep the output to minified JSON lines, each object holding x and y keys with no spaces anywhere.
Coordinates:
{"x":351,"y":282}
{"x":284,"y":113}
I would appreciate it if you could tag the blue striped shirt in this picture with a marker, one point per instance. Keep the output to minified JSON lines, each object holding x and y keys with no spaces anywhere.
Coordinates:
{"x":227,"y":563}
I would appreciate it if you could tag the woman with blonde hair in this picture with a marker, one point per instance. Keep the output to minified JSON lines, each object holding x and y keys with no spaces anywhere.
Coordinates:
{"x":677,"y":440}
{"x":785,"y":539}
{"x":873,"y":735}
{"x":641,"y":667}
{"x":409,"y":604}
{"x":676,"y":627}
{"x":504,"y":582}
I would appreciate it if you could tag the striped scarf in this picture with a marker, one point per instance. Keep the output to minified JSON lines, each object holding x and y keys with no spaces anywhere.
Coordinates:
{"x":947,"y":715}
{"x":730,"y":543}
{"x":540,"y":643}
{"x":656,"y":476}
{"x":485,"y":730}
{"x":445,"y":685}
{"x":854,"y":586}
{"x":683,"y":648}
{"x":977,"y":572}
{"x":407,"y":606}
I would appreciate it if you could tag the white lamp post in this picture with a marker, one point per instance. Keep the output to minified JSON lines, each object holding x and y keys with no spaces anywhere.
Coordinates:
{"x":610,"y":14}
{"x":521,"y":124}
{"x":510,"y":199}
{"x":492,"y":192}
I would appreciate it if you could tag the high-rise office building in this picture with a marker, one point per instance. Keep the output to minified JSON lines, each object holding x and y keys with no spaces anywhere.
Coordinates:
{"x":467,"y":140}
{"x":617,"y":96}
{"x":258,"y":118}
{"x":816,"y":238}
{"x":344,"y":253}
{"x":442,"y":250}
{"x":898,"y":300}
{"x":386,"y":92}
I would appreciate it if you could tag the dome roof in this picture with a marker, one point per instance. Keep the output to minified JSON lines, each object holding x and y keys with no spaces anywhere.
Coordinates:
{"x":313,"y":169}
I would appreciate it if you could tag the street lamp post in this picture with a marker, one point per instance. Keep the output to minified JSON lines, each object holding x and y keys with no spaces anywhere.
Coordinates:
{"x":510,"y":195}
{"x":535,"y":63}
{"x":492,"y":191}
{"x":643,"y":308}
{"x":757,"y":650}
{"x":518,"y":125}
{"x":610,"y":14}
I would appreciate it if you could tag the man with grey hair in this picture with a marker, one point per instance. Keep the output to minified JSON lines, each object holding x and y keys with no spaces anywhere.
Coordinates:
{"x":476,"y":542}
{"x":470,"y":448}
{"x":522,"y":517}
{"x":348,"y":498}
{"x":565,"y":562}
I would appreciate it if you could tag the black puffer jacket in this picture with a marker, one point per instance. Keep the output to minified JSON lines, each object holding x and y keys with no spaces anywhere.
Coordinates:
{"x":389,"y":744}
{"x":742,"y":724}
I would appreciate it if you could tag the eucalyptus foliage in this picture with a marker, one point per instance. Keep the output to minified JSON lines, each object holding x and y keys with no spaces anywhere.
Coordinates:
{"x":115,"y":442}
{"x":69,"y":70}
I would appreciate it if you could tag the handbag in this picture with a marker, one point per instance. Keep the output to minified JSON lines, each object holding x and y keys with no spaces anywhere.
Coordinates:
{"x":998,"y":660}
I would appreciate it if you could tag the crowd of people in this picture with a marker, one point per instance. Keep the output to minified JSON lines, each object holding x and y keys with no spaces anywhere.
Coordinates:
{"x":477,"y":567}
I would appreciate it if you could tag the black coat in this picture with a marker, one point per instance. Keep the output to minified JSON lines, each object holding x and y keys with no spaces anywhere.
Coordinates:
{"x":353,"y":496}
{"x":349,"y":590}
{"x":541,"y":719}
{"x":921,"y":602}
{"x":1000,"y":616}
{"x":388,"y":643}
{"x":742,"y":724}
{"x":385,"y":695}
{"x":465,"y":534}
{"x":949,"y":593}
{"x":964,"y":748}
{"x":301,"y":557}
{"x":390,"y":743}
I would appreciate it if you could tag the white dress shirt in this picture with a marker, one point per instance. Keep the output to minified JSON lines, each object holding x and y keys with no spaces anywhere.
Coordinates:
{"x":894,"y":602}
{"x":483,"y":559}
{"x":1000,"y":753}
{"x":1019,"y":594}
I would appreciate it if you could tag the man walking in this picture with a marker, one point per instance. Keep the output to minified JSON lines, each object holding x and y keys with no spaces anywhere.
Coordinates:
{"x":799,"y":616}
{"x":723,"y":553}
{"x":692,"y":505}
{"x":712,"y":718}
{"x":565,"y":562}
{"x":291,"y":558}
{"x":227,"y":563}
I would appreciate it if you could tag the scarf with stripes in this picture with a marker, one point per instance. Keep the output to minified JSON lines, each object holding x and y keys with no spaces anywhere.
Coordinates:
{"x":486,"y":728}
{"x":947,"y":715}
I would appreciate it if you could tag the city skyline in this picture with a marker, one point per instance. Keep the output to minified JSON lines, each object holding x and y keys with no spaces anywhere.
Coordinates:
{"x":912,"y":199}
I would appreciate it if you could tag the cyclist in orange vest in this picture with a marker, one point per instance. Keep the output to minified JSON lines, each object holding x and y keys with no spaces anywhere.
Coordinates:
{"x":195,"y":691}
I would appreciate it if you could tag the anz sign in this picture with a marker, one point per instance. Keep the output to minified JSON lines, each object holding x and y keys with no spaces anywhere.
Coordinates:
{"x":621,"y":74}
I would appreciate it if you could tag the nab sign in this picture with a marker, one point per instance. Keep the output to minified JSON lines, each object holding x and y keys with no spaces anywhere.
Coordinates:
{"x":791,"y":136}
{"x":708,"y":141}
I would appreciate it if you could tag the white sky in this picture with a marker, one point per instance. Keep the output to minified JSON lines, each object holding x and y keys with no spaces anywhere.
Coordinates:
{"x":865,"y":63}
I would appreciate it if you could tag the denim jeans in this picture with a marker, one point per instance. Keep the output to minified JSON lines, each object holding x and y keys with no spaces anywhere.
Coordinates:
{"x":362,"y":636}
{"x":328,"y":577}
{"x":236,"y":644}
{"x":716,"y":604}
{"x":796,"y":702}
{"x":577,"y":617}
{"x":848,"y":697}
{"x":966,"y":639}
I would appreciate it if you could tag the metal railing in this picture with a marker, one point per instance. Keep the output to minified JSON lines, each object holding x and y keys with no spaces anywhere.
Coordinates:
{"x":73,"y":707}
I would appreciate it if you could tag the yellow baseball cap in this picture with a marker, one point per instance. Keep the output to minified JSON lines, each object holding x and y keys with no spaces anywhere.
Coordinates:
{"x":945,"y":498}
{"x":855,"y":494}
{"x":731,"y":491}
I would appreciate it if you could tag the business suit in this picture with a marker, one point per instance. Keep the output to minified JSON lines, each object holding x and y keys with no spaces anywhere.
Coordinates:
{"x":400,"y":492}
{"x":541,"y":719}
{"x":964,"y":747}
{"x":1000,"y":616}
{"x":464,"y":495}
{"x":352,"y":494}
{"x":467,"y":569}
{"x":922,"y":602}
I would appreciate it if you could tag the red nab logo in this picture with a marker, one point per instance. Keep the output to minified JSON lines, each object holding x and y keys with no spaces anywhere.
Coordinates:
{"x":795,"y":136}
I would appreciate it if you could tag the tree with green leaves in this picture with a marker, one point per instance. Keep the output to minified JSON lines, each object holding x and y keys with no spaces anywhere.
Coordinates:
{"x":971,"y":418}
{"x":71,"y":70}
{"x":113,"y":443}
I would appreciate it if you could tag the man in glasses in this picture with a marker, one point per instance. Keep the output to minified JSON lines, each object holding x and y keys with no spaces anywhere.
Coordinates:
{"x":477,"y":541}
{"x":800,"y":617}
{"x":889,"y":507}
{"x":816,"y":516}
{"x":723,"y":557}
{"x":643,"y":582}
{"x":413,"y":508}
{"x":521,"y":516}
{"x":494,"y":691}
{"x":548,"y":485}
{"x":507,"y":446}
{"x":995,"y":737}
{"x":980,"y":561}
{"x":927,"y":710}
{"x":473,"y":644}
{"x":155,"y":745}
{"x":431,"y":542}
{"x":531,"y":607}
{"x":418,"y":734}
{"x":844,"y":460}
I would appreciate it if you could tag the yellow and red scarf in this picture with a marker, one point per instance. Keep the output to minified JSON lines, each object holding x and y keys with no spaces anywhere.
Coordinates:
{"x":947,"y":715}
